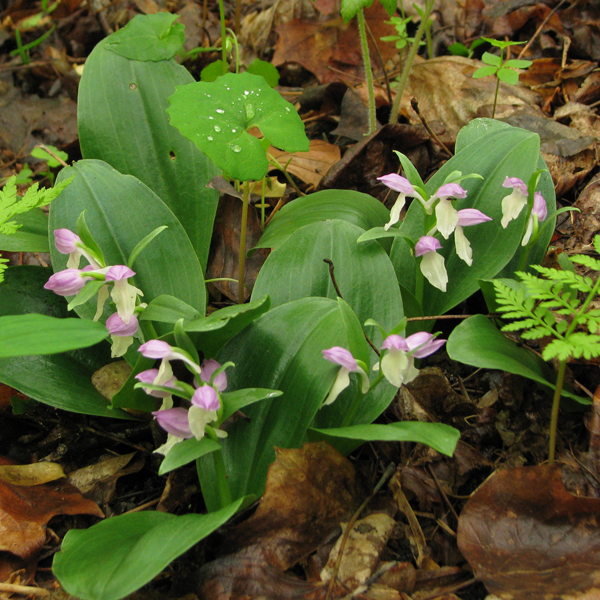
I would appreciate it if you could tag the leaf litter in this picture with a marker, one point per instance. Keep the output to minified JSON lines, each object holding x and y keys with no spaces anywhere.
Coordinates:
{"x":521,"y":532}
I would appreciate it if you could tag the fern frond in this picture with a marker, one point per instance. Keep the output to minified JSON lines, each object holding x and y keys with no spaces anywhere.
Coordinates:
{"x":587,"y":261}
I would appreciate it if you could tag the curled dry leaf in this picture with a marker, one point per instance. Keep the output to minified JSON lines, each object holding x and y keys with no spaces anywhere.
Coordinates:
{"x":309,"y":166}
{"x":35,"y":474}
{"x":25,"y":511}
{"x":526,"y":536}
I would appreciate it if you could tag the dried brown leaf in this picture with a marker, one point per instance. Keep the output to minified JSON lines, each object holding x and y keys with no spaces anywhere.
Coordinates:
{"x":526,"y":537}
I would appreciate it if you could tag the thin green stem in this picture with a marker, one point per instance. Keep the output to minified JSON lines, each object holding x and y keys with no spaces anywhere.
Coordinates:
{"x":364,"y":45}
{"x":223,"y":36}
{"x":242,"y":259}
{"x":419,"y":285}
{"x":222,"y":481}
{"x":496,"y":97}
{"x":555,"y":406}
{"x":409,"y":61}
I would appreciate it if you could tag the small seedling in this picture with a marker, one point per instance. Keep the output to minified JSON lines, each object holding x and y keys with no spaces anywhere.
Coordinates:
{"x":503,"y":69}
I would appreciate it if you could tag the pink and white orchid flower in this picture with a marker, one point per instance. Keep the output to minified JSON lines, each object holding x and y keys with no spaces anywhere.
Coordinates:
{"x":404,"y":186}
{"x":348,"y":364}
{"x":446,"y":214}
{"x":514,"y":203}
{"x":397,"y":364}
{"x":432,"y":264}
{"x":466,"y":218}
{"x":539,"y":212}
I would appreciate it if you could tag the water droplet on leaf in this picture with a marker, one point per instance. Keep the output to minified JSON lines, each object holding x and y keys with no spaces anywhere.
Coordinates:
{"x":217,"y":128}
{"x":219,"y":110}
{"x":236,"y":148}
{"x":210,"y":138}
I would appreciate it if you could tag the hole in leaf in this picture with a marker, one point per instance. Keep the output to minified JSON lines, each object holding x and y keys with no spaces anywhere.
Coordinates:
{"x":133,"y":86}
{"x":172,"y":155}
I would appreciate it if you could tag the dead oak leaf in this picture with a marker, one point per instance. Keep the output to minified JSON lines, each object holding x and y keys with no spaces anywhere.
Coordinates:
{"x":309,"y":166}
{"x":319,"y":45}
{"x":526,"y":536}
{"x":309,"y":491}
{"x":26,"y":510}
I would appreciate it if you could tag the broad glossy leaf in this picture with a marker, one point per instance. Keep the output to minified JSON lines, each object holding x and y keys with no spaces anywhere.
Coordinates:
{"x":168,"y":265}
{"x":148,"y":38}
{"x":438,"y":436}
{"x":475,"y":130}
{"x":234,"y":401}
{"x":187,"y":451}
{"x":356,"y":208}
{"x":479,"y":343}
{"x":364,"y":272}
{"x":217,"y":117}
{"x":26,"y":335}
{"x":282,"y":350}
{"x":60,"y":380}
{"x":133,"y":548}
{"x":122,"y":120}
{"x":510,"y":152}
{"x":32,"y":236}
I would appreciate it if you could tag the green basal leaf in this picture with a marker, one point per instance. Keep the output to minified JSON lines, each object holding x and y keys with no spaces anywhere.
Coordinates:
{"x":264,"y":69}
{"x":378,"y":233}
{"x":134,"y":548}
{"x":438,"y":436}
{"x":32,"y":233}
{"x":217,"y":117}
{"x":83,"y":231}
{"x":148,"y":38}
{"x":477,"y":342}
{"x":26,"y":335}
{"x":356,"y":208}
{"x":187,"y":451}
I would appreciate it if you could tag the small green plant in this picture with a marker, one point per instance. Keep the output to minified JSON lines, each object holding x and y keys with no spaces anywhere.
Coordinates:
{"x":503,"y":69}
{"x":556,"y":305}
{"x":11,"y":205}
{"x":459,"y":49}
{"x":401,"y":38}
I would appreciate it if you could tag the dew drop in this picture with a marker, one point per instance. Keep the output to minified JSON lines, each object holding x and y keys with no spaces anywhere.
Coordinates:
{"x":246,"y":92}
{"x":210,"y":138}
{"x":211,"y":118}
{"x":220,"y":111}
{"x":217,"y":128}
{"x":287,"y":109}
{"x":233,"y":130}
{"x":250,"y":111}
{"x":236,"y":148}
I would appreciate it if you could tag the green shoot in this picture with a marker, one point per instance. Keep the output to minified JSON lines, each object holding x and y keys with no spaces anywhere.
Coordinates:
{"x":557,"y":306}
{"x":459,"y":49}
{"x":503,"y":69}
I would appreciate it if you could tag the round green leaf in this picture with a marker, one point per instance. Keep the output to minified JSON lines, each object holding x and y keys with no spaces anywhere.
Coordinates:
{"x":148,"y":38}
{"x":217,"y":117}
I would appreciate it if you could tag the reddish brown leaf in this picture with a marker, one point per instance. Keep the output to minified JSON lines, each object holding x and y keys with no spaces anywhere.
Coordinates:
{"x":526,"y":537}
{"x":319,"y":45}
{"x":25,"y":511}
{"x":308,"y":493}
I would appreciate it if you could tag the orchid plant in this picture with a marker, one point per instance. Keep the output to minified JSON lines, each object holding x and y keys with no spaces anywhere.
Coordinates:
{"x":331,"y":306}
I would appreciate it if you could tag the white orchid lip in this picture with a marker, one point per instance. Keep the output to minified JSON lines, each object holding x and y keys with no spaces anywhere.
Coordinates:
{"x":514,"y":203}
{"x":348,"y":364}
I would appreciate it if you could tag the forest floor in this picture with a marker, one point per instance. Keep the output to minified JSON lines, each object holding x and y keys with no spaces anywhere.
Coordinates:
{"x":503,"y":419}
